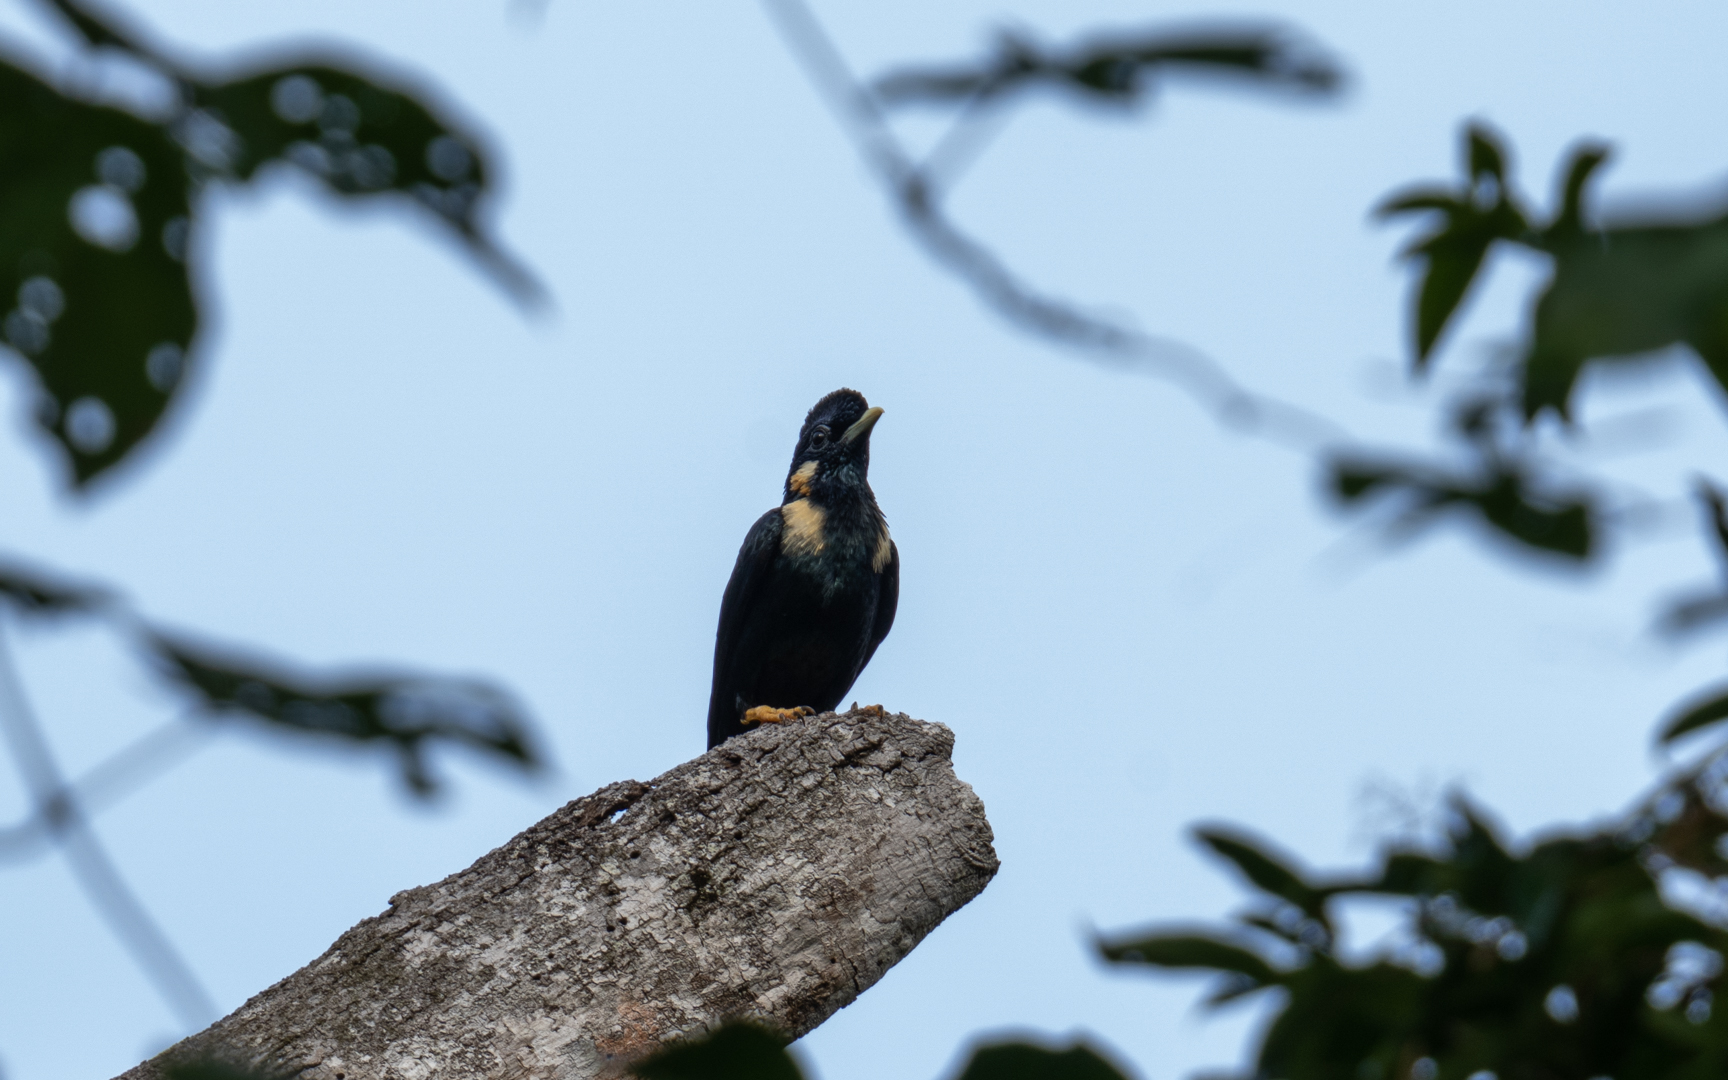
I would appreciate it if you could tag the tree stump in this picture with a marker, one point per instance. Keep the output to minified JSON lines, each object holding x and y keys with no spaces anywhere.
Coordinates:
{"x":775,"y":878}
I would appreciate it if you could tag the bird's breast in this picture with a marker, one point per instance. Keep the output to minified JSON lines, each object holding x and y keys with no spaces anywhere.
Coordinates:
{"x":834,"y":549}
{"x":806,"y":531}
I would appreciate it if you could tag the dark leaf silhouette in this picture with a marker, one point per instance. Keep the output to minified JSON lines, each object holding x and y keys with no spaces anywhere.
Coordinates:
{"x":36,"y":593}
{"x":737,"y":1051}
{"x":1504,"y":499}
{"x":1711,"y":709}
{"x":1687,"y":615}
{"x":359,"y":137}
{"x":1586,"y":160}
{"x":743,"y":1051}
{"x":1717,"y":506}
{"x":92,"y":270}
{"x":1027,"y":1061}
{"x":103,"y":207}
{"x":1471,"y":221}
{"x":96,"y":31}
{"x":1453,"y":258}
{"x":1487,"y":158}
{"x":1504,"y":487}
{"x":1694,"y":612}
{"x":1618,"y":292}
{"x":1563,"y":962}
{"x":405,"y":712}
{"x":1188,"y":949}
{"x":1265,"y":872}
{"x":1119,"y":68}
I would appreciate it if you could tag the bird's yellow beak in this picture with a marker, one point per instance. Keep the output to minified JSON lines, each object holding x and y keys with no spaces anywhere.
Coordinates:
{"x":862,"y":427}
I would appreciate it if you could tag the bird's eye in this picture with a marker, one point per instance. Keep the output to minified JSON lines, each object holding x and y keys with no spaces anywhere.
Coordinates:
{"x":819,"y":437}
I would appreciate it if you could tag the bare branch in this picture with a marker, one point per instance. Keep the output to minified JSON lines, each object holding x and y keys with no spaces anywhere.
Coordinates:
{"x":1056,"y":321}
{"x":774,"y":878}
{"x":95,"y":871}
{"x":109,"y":781}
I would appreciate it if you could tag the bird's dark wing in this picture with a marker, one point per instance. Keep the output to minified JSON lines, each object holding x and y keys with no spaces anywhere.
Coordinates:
{"x":755,"y":563}
{"x":887,"y":599}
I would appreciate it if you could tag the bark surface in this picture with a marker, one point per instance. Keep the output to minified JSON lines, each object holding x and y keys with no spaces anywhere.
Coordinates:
{"x":775,"y":877}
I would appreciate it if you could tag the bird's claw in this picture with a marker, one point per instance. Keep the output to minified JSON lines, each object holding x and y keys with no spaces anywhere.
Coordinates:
{"x":768,"y":714}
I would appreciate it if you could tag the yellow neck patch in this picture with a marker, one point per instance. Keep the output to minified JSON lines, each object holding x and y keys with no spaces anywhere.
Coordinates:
{"x":804,"y":527}
{"x":884,"y":551}
{"x":799,"y":481}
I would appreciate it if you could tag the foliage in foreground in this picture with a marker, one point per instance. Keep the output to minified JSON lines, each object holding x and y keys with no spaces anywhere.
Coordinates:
{"x":401,"y":710}
{"x":1593,"y":953}
{"x":1597,"y":952}
{"x":743,"y":1051}
{"x":1620,"y":291}
{"x":104,"y":208}
{"x":1578,"y":958}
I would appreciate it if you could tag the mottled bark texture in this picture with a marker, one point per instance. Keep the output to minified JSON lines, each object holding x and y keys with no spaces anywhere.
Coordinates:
{"x":777,"y":877}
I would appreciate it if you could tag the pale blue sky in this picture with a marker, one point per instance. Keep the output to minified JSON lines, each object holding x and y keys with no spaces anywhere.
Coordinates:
{"x":1131,"y":619}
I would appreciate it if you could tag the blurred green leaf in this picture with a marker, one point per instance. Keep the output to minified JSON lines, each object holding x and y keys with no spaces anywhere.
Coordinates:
{"x":1563,"y":527}
{"x":1453,"y":258}
{"x":1487,"y":159}
{"x":738,"y":1051}
{"x":100,"y":212}
{"x":93,"y":280}
{"x":1420,"y":199}
{"x":1716,"y":506}
{"x":1585,"y":161}
{"x":1472,"y":220}
{"x":1689,"y":614}
{"x":1409,"y":873}
{"x":1343,"y":1024}
{"x":358,"y":136}
{"x":405,"y":712}
{"x":1504,"y":498}
{"x":1267,"y":873}
{"x":1189,"y":950}
{"x":1710,"y":709}
{"x":36,"y":593}
{"x":1563,"y":962}
{"x":1119,"y":68}
{"x":102,"y":27}
{"x":1618,"y":294}
{"x":1027,"y":1061}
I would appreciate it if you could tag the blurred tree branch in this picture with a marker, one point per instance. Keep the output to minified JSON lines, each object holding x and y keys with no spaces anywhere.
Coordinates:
{"x":102,"y":211}
{"x":1115,"y":70}
{"x":63,"y":817}
{"x":1509,"y":485}
{"x":403,"y":711}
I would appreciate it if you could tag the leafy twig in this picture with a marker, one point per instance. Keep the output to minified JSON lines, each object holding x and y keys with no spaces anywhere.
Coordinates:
{"x":1059,"y":322}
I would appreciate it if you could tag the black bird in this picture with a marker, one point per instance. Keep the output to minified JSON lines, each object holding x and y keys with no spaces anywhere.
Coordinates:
{"x":815,"y":586}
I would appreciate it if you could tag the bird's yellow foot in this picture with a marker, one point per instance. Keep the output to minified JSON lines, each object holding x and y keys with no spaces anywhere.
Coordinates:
{"x":870,"y":710}
{"x":768,"y":714}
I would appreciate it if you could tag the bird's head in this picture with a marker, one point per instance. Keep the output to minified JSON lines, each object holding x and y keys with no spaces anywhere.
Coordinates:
{"x":833,"y":454}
